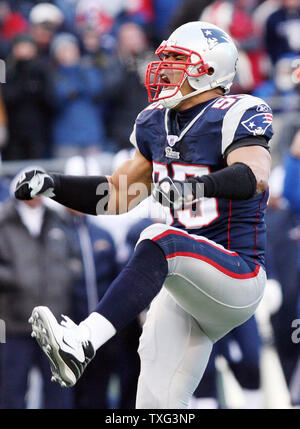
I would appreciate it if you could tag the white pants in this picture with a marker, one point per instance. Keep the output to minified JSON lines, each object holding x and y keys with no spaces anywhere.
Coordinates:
{"x":208,"y":292}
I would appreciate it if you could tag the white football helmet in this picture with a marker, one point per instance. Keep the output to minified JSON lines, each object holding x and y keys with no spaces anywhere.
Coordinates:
{"x":211,"y":62}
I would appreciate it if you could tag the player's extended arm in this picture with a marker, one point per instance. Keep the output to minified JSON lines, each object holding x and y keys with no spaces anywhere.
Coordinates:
{"x":129,"y":184}
{"x":115,"y":194}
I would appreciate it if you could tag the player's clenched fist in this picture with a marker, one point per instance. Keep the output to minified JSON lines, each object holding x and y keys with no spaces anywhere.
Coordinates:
{"x":172,"y":193}
{"x":33,"y":184}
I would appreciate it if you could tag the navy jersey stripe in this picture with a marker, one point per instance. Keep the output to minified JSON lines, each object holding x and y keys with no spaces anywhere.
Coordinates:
{"x":175,"y":243}
{"x":255,"y":226}
{"x":228,"y":226}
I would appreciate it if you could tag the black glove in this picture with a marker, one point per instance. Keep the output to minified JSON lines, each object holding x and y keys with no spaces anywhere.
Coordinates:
{"x":33,"y":184}
{"x":173,"y":193}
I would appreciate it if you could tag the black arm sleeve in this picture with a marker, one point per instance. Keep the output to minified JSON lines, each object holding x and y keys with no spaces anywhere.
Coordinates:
{"x":81,"y":193}
{"x":248,"y":141}
{"x":236,"y":182}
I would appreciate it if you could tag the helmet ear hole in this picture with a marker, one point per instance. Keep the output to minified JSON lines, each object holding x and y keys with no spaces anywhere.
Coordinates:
{"x":210,"y":71}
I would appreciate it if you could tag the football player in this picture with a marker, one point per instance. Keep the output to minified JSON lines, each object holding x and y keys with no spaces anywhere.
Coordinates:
{"x":203,"y":271}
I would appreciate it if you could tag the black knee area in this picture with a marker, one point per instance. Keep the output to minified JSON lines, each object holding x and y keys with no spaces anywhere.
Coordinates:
{"x":136,"y":286}
{"x":150,"y":260}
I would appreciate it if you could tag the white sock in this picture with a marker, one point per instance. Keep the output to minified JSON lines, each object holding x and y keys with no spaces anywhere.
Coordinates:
{"x":203,"y":403}
{"x":100,"y":329}
{"x":253,"y":398}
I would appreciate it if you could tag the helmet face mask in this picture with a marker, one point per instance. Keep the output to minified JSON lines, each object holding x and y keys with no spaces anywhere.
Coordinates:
{"x":193,"y":66}
{"x":207,"y":60}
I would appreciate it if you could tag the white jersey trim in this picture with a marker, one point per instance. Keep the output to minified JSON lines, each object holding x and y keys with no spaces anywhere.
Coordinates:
{"x":190,"y":124}
{"x":132,"y":137}
{"x":233,"y":117}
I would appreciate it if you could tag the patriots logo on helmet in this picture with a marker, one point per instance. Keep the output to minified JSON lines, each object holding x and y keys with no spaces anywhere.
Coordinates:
{"x":258,"y":124}
{"x":214,"y":37}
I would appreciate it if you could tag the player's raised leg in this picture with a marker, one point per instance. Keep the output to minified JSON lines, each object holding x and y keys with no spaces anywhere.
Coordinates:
{"x":70,"y":347}
{"x":174,"y":352}
{"x":213,"y":285}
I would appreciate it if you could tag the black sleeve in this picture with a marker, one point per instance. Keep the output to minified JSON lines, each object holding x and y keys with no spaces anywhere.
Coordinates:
{"x":248,"y":141}
{"x":236,"y":182}
{"x":81,"y":193}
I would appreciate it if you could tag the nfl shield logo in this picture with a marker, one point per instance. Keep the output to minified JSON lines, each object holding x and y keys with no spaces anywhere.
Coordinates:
{"x":172,"y":140}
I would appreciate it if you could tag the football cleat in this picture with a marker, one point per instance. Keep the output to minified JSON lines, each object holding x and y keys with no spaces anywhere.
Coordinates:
{"x":68,"y":352}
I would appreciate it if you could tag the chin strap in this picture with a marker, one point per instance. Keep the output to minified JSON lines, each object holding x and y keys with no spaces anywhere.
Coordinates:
{"x":171,"y":101}
{"x":177,"y":98}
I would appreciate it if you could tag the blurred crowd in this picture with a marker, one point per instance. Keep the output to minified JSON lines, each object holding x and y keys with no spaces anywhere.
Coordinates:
{"x":75,"y":69}
{"x":74,"y":84}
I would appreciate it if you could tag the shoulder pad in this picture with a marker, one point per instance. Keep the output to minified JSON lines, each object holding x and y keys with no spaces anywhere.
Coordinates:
{"x":151,"y":112}
{"x":249,"y":115}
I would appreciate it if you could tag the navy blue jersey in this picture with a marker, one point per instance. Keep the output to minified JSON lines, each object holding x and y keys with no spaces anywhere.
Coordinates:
{"x":199,"y":148}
